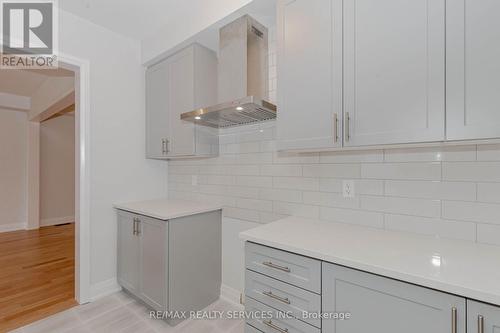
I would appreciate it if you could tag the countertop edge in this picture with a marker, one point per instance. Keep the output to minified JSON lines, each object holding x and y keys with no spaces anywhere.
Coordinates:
{"x":165,"y":217}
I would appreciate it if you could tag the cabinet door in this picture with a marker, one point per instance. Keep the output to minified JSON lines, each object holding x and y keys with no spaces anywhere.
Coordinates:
{"x":153,"y":254}
{"x":181,"y":97}
{"x":394,"y":71}
{"x":128,"y":253}
{"x":381,"y":305}
{"x":309,"y":59}
{"x":473,"y":69}
{"x":482,"y":318}
{"x":157,"y":113}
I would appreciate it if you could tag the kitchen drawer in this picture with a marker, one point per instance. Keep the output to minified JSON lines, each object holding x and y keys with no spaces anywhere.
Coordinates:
{"x":251,"y":329}
{"x":269,"y":320}
{"x":291,"y":268}
{"x":283,"y":296}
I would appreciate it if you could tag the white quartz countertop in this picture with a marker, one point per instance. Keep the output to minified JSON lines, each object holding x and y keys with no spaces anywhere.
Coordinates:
{"x":166,"y":209}
{"x":458,"y":267}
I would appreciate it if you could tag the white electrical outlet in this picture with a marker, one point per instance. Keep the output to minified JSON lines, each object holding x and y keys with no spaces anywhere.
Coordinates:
{"x":348,"y":189}
{"x":194,"y":180}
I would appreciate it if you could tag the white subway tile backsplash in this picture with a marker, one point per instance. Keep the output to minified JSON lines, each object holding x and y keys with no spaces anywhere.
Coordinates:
{"x":471,"y":211}
{"x":214,"y":180}
{"x":472,"y":171}
{"x":296,"y":183}
{"x":254,"y":181}
{"x":255,"y":204}
{"x":332,"y":170}
{"x":361,"y":186}
{"x":418,"y":171}
{"x":281,"y":170}
{"x":330,"y":200}
{"x":431,"y":226}
{"x":273,"y":194}
{"x":405,"y":206}
{"x":431,"y":189}
{"x":307,"y":211}
{"x":488,"y":234}
{"x":488,"y":192}
{"x":446,"y":191}
{"x":358,"y":217}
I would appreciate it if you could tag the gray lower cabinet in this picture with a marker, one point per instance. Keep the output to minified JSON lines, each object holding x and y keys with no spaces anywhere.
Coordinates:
{"x":153,"y":235}
{"x":482,"y":318}
{"x":381,"y":305}
{"x":128,"y":252}
{"x":284,"y":292}
{"x":172,"y":265}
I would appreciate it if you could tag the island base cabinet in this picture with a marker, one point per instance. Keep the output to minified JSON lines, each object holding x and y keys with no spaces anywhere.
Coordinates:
{"x":482,"y":318}
{"x":380,"y":305}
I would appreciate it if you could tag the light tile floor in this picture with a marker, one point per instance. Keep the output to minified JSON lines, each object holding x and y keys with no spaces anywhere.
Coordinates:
{"x":121,"y":313}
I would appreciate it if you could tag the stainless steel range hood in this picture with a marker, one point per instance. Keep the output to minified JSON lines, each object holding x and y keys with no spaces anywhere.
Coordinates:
{"x":243,"y":75}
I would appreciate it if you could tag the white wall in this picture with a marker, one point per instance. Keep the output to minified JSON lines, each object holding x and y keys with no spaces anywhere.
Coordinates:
{"x":118,"y":168}
{"x":13,"y":147}
{"x":57,"y":170}
{"x":201,"y":15}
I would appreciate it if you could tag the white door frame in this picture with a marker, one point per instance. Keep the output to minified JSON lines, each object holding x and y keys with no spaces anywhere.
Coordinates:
{"x":81,"y":68}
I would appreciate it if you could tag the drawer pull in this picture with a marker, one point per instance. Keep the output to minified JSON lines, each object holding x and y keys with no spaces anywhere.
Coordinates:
{"x":281,"y":299}
{"x":274,"y":327}
{"x":480,"y":324}
{"x":281,"y":268}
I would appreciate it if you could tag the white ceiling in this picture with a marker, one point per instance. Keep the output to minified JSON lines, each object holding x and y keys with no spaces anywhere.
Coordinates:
{"x":26,"y":82}
{"x":133,"y":18}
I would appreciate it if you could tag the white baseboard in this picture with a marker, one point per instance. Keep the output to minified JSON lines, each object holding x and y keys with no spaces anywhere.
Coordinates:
{"x":230,"y":294}
{"x":12,"y":227}
{"x":104,"y":288}
{"x":57,"y":220}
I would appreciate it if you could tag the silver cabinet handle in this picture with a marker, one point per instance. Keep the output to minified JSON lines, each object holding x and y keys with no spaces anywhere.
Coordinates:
{"x":138,"y":231}
{"x":134,"y":231}
{"x":453,"y":320}
{"x":281,"y":299}
{"x":347,"y":129}
{"x":167,"y":146}
{"x":163,"y":147}
{"x":335,"y":128}
{"x":274,"y":327}
{"x":281,"y":268}
{"x":480,"y":324}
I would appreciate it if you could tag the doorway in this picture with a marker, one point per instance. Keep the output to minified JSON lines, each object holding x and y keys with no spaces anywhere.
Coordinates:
{"x":70,"y":239}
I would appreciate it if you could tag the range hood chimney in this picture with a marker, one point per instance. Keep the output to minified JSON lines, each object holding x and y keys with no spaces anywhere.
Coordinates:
{"x":243,"y":75}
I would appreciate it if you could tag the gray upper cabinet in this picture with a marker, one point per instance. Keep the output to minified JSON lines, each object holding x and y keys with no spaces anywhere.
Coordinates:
{"x":157,"y":115}
{"x":473,"y":69}
{"x":482,"y":318}
{"x":183,"y":82}
{"x":394,"y":71}
{"x":309,"y":53}
{"x":381,"y":305}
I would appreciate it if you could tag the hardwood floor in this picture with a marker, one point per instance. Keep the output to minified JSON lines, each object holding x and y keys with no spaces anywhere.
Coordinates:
{"x":36,"y":274}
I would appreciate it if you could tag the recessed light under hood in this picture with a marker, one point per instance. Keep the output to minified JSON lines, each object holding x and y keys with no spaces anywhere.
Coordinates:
{"x":243,"y":75}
